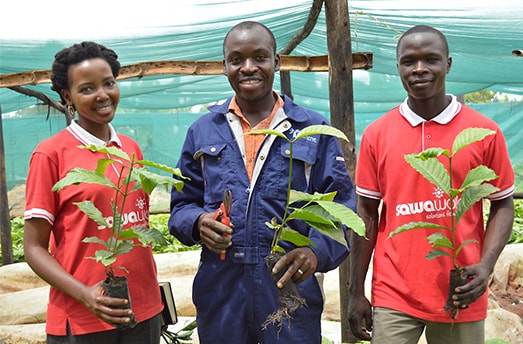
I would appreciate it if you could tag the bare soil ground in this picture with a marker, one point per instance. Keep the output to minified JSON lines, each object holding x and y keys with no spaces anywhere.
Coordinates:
{"x":511,"y":300}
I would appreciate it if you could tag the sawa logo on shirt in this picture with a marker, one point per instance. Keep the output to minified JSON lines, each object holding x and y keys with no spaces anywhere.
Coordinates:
{"x":137,"y":218}
{"x":431,"y":209}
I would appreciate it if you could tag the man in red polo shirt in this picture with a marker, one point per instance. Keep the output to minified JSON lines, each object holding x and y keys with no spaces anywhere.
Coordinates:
{"x":409,"y":291}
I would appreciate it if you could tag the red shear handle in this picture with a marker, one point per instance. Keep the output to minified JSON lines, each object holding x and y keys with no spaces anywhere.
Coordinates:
{"x":221,"y":216}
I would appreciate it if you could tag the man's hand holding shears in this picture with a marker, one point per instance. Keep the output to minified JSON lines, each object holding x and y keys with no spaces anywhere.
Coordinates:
{"x":216,"y":228}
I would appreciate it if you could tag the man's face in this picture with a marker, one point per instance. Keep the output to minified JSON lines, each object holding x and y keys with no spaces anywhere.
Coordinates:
{"x":249,"y":64}
{"x":423,"y":64}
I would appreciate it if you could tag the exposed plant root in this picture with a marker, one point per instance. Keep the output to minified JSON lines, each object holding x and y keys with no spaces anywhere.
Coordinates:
{"x":453,"y":311}
{"x":290,"y":303}
{"x":277,"y":318}
{"x":290,"y":298}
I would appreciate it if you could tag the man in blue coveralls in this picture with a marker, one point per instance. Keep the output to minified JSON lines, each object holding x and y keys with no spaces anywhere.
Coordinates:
{"x":233,"y":297}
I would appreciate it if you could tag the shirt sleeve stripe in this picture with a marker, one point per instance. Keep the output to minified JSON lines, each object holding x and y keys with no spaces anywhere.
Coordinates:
{"x":39,"y":213}
{"x":368,"y":193}
{"x":502,"y":194}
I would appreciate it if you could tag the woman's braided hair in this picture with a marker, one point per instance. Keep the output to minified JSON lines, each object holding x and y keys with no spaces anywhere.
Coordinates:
{"x":77,"y":53}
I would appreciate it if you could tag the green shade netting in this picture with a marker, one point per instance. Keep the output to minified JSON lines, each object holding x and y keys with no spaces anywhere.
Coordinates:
{"x":156,"y":110}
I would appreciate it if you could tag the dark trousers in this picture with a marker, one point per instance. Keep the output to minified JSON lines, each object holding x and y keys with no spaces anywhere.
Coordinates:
{"x":146,"y":332}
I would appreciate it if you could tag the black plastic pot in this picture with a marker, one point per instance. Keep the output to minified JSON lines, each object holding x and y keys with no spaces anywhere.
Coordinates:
{"x":289,"y":295}
{"x":457,"y":278}
{"x":116,"y":286}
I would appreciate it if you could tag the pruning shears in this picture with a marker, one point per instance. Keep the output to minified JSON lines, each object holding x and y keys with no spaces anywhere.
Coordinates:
{"x":222,"y":214}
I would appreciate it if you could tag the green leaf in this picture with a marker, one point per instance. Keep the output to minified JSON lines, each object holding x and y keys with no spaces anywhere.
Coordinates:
{"x":103,"y":256}
{"x":128,"y":234}
{"x":454,"y":192}
{"x":111,"y":150}
{"x":471,"y":195}
{"x":430,"y":153}
{"x":92,"y":212}
{"x":111,"y":241}
{"x":147,"y":236}
{"x":496,"y":341}
{"x":273,"y":225}
{"x":478,"y":176}
{"x":149,"y":180}
{"x":298,"y":196}
{"x":313,"y":213}
{"x":174,"y":171}
{"x":123,"y":246}
{"x":317,"y":217}
{"x":437,"y":240}
{"x":415,"y":225}
{"x":321,"y":129}
{"x":102,"y":165}
{"x":79,"y":175}
{"x":465,"y":243}
{"x":190,"y":326}
{"x":345,"y":215}
{"x":96,"y":240}
{"x":335,"y":232}
{"x":432,"y":169}
{"x":295,"y":237}
{"x":278,"y":248}
{"x":468,"y":136}
{"x":436,"y":253}
{"x":268,"y":132}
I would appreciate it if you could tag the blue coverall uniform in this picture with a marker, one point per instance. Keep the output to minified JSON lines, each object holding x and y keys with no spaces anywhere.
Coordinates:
{"x":234,"y":297}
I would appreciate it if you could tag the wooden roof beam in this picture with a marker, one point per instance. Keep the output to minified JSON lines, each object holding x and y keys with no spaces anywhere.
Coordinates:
{"x":138,"y":70}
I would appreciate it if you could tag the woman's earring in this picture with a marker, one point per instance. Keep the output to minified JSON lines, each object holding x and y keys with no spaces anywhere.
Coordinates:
{"x":70,"y":111}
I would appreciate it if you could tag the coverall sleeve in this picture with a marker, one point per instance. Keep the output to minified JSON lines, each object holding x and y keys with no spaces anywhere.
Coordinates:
{"x":187,"y":206}
{"x":327,"y":175}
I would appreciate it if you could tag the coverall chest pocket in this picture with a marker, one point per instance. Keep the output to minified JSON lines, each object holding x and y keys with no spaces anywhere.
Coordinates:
{"x":216,"y":170}
{"x":304,"y":155}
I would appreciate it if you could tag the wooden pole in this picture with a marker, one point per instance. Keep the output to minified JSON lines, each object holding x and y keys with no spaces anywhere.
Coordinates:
{"x":5,"y":221}
{"x":285,"y":84}
{"x":342,"y":116}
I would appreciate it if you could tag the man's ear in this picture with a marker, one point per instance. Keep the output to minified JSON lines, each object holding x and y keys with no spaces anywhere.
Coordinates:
{"x":277,"y":62}
{"x":224,"y":68}
{"x":449,"y":64}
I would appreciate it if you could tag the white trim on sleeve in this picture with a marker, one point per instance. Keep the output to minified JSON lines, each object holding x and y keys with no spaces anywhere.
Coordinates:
{"x":39,"y":213}
{"x":368,"y":193}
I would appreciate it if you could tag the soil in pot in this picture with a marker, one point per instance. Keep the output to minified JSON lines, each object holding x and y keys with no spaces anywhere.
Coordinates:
{"x":116,"y":286}
{"x":290,"y":299}
{"x":457,"y":278}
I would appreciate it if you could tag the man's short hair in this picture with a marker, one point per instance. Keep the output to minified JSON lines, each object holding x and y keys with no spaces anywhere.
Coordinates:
{"x":425,"y":29}
{"x":247,"y":25}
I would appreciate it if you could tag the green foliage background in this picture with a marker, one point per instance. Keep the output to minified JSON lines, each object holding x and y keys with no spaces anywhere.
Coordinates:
{"x":159,"y":221}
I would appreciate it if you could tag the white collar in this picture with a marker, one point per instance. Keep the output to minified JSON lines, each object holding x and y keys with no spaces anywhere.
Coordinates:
{"x":442,"y":118}
{"x":87,"y":138}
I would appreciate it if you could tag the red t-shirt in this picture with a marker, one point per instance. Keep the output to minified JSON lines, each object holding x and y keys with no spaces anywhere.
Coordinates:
{"x":50,"y":162}
{"x":403,"y":279}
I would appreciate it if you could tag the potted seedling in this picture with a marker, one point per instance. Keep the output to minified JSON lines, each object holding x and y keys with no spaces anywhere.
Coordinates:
{"x":133,"y":176}
{"x":317,"y":210}
{"x":473,"y":189}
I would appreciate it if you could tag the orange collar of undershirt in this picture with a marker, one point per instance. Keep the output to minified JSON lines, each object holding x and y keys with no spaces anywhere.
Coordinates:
{"x":252,"y":143}
{"x":235,"y":109}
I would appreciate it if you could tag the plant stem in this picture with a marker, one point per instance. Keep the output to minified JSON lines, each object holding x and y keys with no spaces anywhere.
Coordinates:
{"x":118,"y":211}
{"x":452,"y":218}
